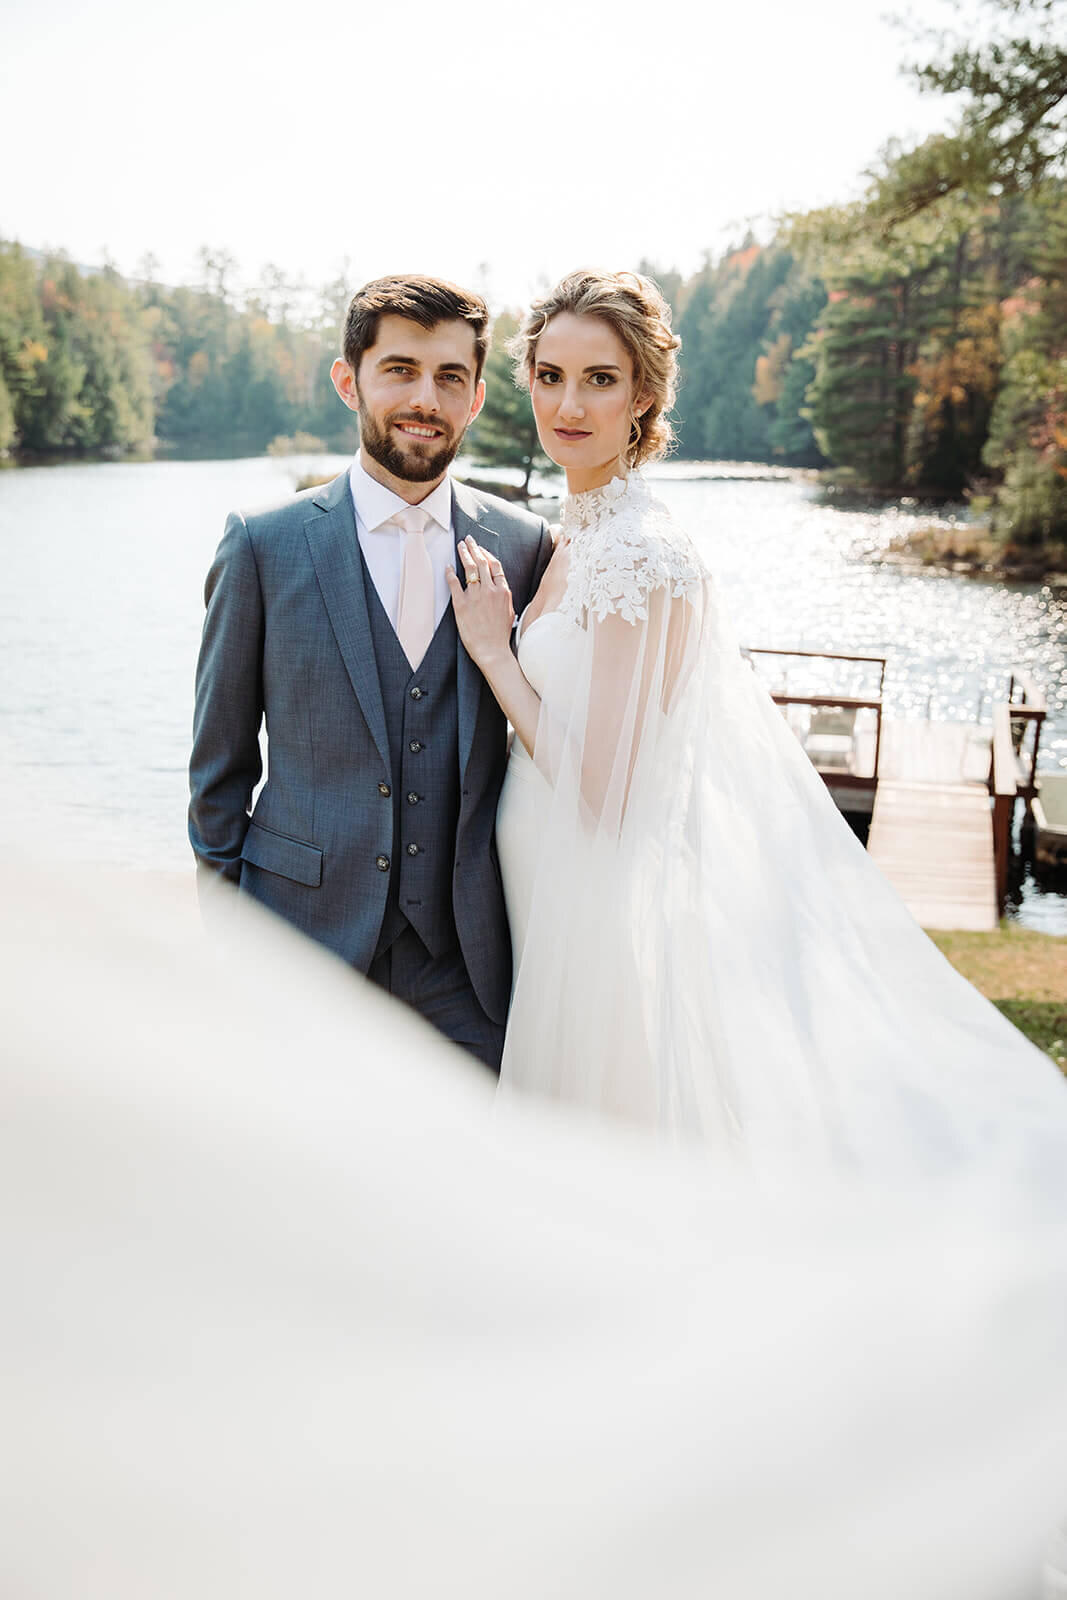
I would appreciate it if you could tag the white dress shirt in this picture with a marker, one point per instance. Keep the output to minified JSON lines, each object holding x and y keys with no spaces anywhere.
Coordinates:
{"x":382,"y":542}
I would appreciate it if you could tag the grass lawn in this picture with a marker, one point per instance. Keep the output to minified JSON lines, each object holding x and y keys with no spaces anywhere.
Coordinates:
{"x":1023,"y":973}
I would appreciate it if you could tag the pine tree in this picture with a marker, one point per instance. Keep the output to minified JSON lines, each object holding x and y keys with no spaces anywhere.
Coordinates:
{"x":1011,"y":133}
{"x":862,"y":392}
{"x":8,"y":430}
{"x":795,"y":309}
{"x":505,"y":434}
{"x":741,"y":319}
{"x":23,"y":350}
{"x":1028,"y":432}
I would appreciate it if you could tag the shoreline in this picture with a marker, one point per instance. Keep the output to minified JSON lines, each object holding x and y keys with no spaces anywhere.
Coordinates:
{"x":973,"y":552}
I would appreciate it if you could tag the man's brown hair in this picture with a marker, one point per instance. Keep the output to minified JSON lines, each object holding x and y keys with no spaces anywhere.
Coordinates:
{"x":426,"y":301}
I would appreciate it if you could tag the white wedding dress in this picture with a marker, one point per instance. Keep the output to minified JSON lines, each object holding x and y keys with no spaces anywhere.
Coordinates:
{"x":701,"y":943}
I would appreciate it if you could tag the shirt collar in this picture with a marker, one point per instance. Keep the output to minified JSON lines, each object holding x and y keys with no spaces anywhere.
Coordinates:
{"x":375,"y":504}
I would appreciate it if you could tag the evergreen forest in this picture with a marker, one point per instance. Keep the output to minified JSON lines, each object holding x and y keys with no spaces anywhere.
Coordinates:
{"x":914,"y":342}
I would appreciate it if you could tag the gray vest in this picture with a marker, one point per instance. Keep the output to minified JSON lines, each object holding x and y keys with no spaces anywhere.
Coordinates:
{"x":421,"y":717}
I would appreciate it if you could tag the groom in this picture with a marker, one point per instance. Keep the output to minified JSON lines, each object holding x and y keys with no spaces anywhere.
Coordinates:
{"x":330,"y":618}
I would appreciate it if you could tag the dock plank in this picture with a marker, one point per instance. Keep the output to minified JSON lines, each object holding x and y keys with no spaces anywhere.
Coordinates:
{"x":934,"y":752}
{"x":934,"y":842}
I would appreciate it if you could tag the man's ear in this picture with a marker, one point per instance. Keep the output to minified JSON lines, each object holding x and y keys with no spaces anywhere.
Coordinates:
{"x":479,"y":401}
{"x":344,"y":381}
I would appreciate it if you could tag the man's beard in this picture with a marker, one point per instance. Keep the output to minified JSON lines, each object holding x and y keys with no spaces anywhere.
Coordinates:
{"x":428,"y":458}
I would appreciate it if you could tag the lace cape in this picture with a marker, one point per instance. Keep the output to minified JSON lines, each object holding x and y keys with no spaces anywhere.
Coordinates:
{"x":624,"y":545}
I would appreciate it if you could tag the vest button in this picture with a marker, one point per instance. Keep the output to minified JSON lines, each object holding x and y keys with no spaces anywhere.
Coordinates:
{"x":382,"y":863}
{"x":384,"y":790}
{"x":416,"y":693}
{"x":414,"y":747}
{"x":413,"y":849}
{"x":413,"y":798}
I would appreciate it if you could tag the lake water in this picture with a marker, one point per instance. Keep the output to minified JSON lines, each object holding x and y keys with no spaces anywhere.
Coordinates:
{"x":101,"y":606}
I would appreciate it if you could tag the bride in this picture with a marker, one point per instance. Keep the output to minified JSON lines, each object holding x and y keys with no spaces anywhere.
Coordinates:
{"x":701,"y":944}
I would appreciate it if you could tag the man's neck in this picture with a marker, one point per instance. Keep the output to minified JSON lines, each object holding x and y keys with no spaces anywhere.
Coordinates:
{"x":413,"y":493}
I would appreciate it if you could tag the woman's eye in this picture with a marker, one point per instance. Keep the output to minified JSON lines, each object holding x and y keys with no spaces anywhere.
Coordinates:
{"x":602,"y":380}
{"x":547,"y":377}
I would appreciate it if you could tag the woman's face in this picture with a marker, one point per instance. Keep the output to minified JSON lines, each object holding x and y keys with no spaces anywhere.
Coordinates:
{"x":582,"y":388}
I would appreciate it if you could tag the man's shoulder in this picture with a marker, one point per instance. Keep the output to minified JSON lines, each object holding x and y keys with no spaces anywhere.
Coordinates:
{"x":502,"y":515}
{"x":273,"y":515}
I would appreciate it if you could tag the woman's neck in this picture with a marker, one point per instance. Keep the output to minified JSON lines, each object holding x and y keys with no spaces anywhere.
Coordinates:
{"x":582,"y":479}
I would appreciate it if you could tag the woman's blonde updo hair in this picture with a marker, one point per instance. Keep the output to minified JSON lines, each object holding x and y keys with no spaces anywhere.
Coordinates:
{"x":634,"y":309}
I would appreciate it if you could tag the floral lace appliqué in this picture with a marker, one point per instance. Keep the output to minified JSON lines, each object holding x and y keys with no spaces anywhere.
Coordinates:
{"x":624,"y":544}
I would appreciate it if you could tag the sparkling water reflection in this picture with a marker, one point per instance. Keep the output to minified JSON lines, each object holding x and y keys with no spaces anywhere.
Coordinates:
{"x":102,"y":603}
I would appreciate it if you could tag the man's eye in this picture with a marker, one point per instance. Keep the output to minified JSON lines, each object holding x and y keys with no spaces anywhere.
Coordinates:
{"x":398,"y":369}
{"x":452,"y":377}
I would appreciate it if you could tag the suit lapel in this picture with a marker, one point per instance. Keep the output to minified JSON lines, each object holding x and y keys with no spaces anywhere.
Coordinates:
{"x":470,"y":684}
{"x":334,"y":546}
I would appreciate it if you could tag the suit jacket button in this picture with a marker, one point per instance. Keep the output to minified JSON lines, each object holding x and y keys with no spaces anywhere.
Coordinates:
{"x":384,"y":790}
{"x":413,"y":849}
{"x":413,"y":798}
{"x":382,"y":863}
{"x":414,"y":747}
{"x":416,"y":694}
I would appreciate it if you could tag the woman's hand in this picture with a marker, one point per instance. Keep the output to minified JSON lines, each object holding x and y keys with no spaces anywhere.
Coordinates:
{"x":484,"y":612}
{"x":484,"y":616}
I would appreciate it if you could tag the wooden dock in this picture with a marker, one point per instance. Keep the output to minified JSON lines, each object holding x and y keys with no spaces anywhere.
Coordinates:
{"x":940,"y":795}
{"x":934,"y":842}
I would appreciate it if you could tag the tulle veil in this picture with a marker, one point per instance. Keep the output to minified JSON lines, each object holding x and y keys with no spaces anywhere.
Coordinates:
{"x":289,"y":1311}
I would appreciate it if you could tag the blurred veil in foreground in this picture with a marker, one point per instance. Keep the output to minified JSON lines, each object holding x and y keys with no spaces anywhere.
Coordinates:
{"x":292,"y":1310}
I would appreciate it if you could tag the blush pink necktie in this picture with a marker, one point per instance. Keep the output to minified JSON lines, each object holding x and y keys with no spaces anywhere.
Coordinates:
{"x":415,"y":611}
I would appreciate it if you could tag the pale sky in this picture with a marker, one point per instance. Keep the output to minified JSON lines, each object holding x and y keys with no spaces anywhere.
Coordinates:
{"x":495,"y":145}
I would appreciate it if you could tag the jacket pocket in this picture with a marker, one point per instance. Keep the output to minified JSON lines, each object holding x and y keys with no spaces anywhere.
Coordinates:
{"x":289,"y":858}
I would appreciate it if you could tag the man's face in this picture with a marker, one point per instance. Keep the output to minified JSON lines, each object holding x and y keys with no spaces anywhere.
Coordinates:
{"x":416,"y":394}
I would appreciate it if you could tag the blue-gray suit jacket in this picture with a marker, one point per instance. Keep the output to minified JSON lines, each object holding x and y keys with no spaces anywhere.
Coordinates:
{"x":287,"y":638}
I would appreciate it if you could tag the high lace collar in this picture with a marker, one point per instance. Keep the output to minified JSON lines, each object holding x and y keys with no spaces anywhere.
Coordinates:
{"x":584,"y":510}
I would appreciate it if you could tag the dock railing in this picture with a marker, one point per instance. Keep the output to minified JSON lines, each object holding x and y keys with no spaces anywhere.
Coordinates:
{"x":1013,"y":766}
{"x":1028,"y":708}
{"x":1004,"y":788}
{"x":849,"y":705}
